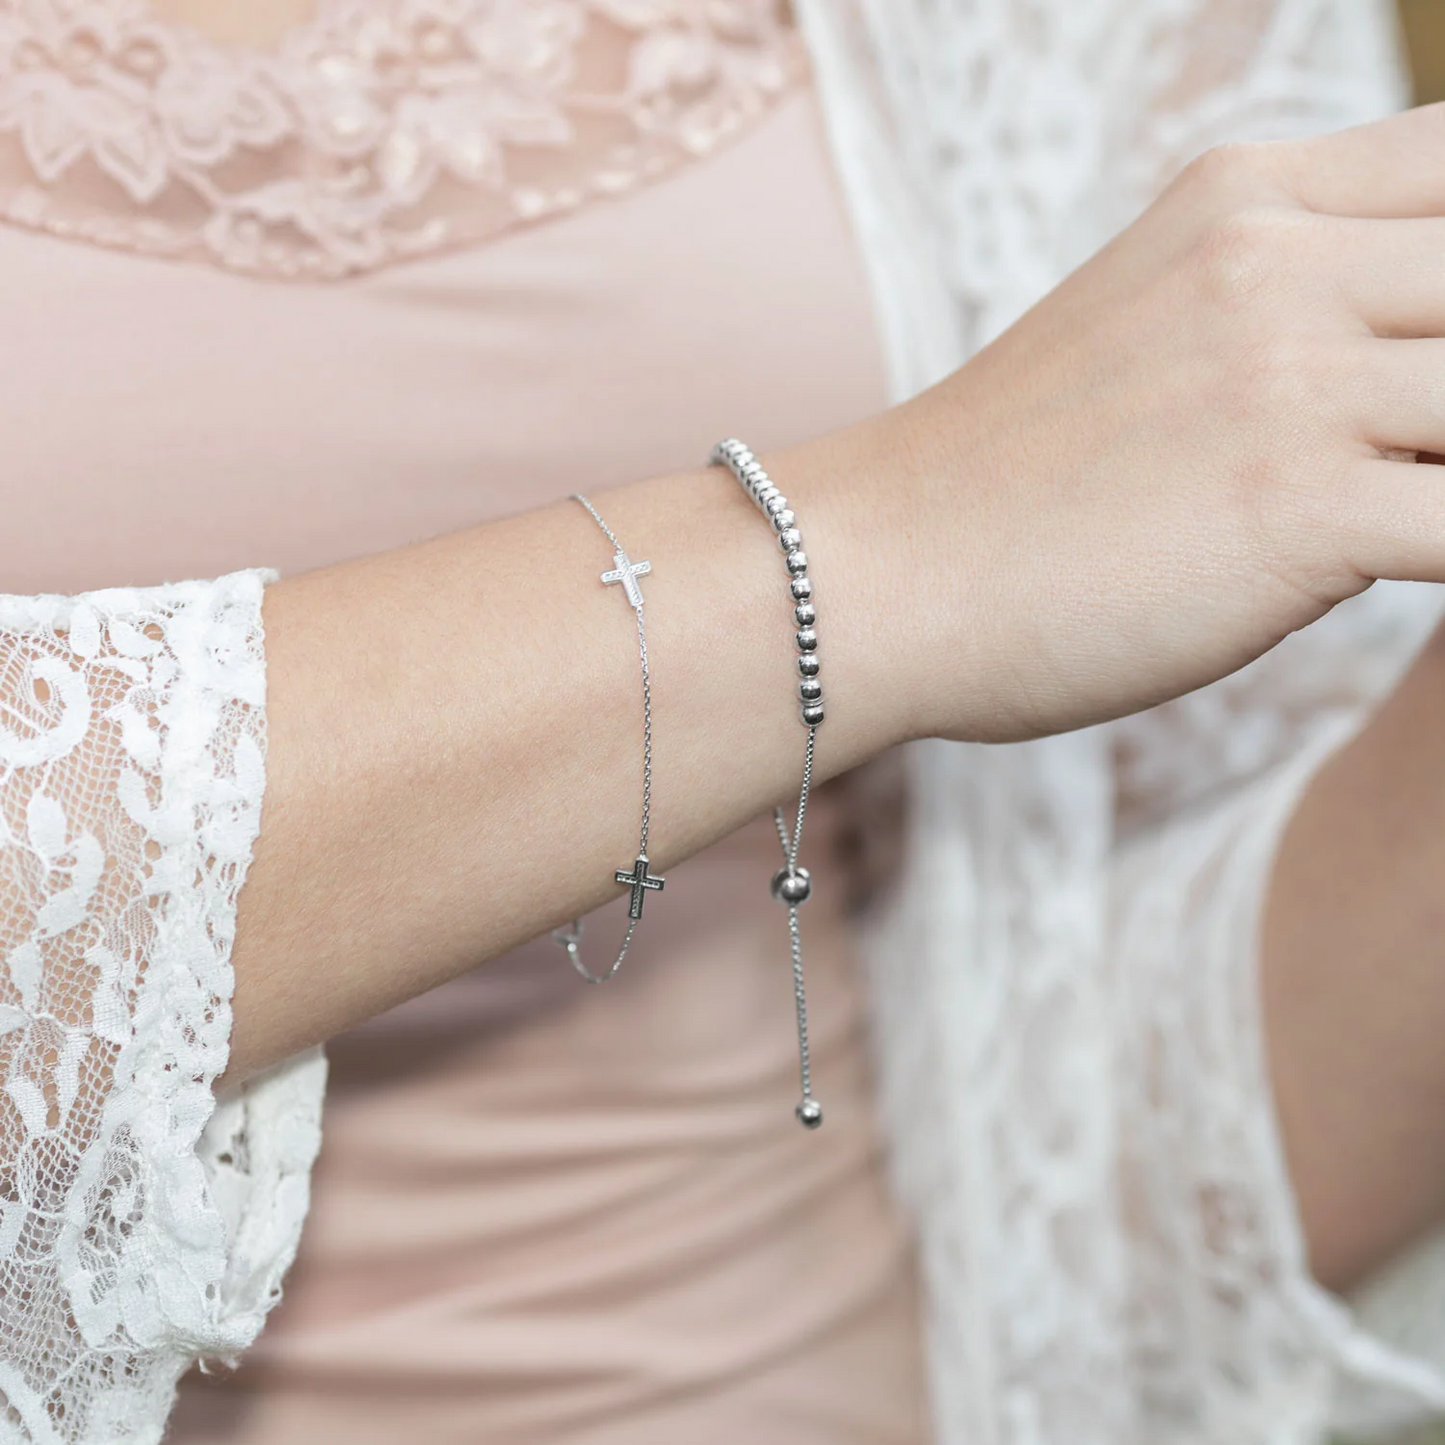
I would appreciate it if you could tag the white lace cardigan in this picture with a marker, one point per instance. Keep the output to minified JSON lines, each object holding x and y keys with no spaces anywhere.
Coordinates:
{"x":1107,"y":1264}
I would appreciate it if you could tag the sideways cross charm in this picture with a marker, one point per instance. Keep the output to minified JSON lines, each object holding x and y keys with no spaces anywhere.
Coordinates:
{"x":639,"y":880}
{"x":627,"y":573}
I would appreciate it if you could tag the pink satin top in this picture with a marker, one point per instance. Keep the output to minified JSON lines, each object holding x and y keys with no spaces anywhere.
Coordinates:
{"x":543,"y":1212}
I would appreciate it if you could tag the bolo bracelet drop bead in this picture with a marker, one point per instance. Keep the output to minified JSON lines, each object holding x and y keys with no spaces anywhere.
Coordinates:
{"x":792,"y":885}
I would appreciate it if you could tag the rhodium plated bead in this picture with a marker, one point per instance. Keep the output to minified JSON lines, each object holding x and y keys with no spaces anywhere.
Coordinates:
{"x":792,"y":886}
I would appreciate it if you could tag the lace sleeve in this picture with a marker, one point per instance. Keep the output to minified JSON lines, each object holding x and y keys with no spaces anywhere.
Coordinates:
{"x":137,"y":1230}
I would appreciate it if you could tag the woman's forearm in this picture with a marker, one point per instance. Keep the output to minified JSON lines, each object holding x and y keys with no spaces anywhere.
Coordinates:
{"x":456,"y":734}
{"x":1354,"y":984}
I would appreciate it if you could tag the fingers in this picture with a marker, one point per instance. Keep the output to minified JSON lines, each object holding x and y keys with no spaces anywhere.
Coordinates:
{"x":1398,"y":391}
{"x":1390,"y":168}
{"x":1393,"y":514}
{"x":1390,"y":274}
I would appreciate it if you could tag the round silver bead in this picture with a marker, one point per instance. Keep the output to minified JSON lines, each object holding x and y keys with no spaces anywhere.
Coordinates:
{"x":793,"y":888}
{"x":810,"y":690}
{"x":802,"y":589}
{"x":790,"y":539}
{"x":810,"y":1114}
{"x":784,"y":519}
{"x":813,"y":713}
{"x":805,"y":614}
{"x":807,"y":639}
{"x":775,"y":503}
{"x":808,"y":664}
{"x":797,"y":562}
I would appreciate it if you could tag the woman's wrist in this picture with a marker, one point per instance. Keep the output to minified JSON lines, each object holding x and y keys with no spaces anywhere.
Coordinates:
{"x":858,"y":523}
{"x":910,"y":616}
{"x":734,"y":558}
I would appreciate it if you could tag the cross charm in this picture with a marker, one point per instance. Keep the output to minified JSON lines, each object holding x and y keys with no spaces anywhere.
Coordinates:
{"x":639,"y":880}
{"x":627,"y":573}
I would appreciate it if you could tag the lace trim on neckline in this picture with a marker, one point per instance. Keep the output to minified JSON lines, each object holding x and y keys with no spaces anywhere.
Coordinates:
{"x":379,"y":131}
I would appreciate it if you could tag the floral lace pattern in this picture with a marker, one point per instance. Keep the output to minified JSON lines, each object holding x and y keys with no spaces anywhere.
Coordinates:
{"x":131,"y":774}
{"x":383,"y":129}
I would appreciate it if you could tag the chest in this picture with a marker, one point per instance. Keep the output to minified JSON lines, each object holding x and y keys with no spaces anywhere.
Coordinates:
{"x":170,"y":419}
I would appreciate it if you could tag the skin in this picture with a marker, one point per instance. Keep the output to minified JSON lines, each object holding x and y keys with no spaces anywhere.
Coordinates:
{"x":1172,"y":462}
{"x":1353,"y":988}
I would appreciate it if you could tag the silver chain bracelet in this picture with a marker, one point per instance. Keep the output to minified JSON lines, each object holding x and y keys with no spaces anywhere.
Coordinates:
{"x":639,"y":878}
{"x":791,"y":885}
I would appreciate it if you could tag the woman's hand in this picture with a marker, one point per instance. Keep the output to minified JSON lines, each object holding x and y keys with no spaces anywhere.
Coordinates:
{"x":1176,"y":458}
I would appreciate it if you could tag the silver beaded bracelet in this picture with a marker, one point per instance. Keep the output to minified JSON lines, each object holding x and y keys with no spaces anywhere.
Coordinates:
{"x":791,"y":885}
{"x":639,"y":878}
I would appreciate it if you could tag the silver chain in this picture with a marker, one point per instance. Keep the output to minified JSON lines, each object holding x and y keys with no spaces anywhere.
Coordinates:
{"x":639,"y":878}
{"x":795,"y":931}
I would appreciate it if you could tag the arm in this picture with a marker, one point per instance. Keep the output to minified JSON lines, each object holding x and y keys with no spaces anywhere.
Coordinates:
{"x":456,"y":732}
{"x":1169,"y":464}
{"x":1353,"y":988}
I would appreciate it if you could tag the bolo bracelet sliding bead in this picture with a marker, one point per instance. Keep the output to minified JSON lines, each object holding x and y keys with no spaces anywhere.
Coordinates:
{"x":792,"y":885}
